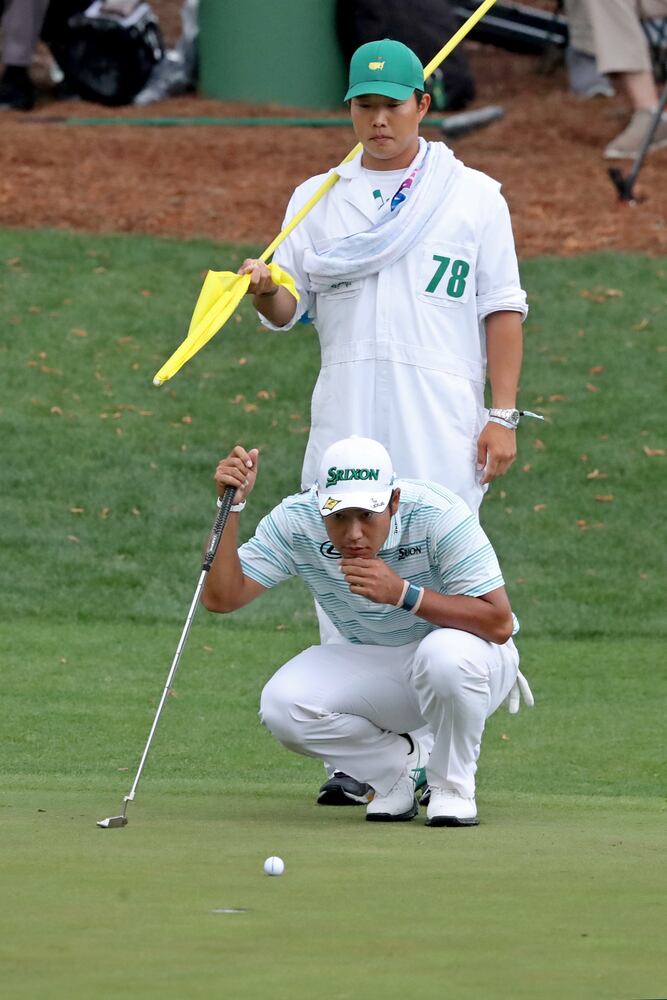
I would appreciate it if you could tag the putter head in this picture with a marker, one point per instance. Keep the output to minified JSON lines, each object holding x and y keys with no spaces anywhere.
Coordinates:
{"x":112,"y":822}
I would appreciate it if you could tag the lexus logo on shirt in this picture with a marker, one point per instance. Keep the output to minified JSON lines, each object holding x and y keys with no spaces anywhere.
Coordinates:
{"x":328,"y":550}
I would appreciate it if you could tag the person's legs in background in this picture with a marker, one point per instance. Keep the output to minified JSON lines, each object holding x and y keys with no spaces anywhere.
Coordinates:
{"x":19,"y":33}
{"x":622,"y":52}
{"x":584,"y":76}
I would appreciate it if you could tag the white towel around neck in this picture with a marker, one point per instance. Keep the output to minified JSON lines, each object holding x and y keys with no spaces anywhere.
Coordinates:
{"x":366,"y":253}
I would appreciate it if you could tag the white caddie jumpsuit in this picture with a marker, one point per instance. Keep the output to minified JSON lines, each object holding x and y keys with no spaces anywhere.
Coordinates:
{"x":404,"y":351}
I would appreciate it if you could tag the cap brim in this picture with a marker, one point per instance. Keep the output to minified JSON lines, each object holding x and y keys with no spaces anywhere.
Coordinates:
{"x":397,"y":91}
{"x":329,"y":503}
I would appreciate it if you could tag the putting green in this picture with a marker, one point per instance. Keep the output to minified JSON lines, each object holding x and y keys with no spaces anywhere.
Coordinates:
{"x":556,"y":894}
{"x":552,"y":897}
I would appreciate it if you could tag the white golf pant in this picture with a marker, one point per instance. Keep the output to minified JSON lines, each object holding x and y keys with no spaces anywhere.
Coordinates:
{"x":329,"y":633}
{"x":346,"y":703}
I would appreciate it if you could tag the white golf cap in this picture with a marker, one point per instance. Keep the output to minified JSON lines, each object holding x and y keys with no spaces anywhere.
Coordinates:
{"x":354,"y":472}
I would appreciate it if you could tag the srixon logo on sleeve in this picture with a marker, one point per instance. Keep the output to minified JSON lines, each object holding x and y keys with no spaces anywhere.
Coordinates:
{"x":335,"y":475}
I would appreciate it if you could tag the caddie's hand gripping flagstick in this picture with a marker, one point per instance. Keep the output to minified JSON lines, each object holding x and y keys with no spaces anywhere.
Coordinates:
{"x":216,"y":534}
{"x":223,"y":290}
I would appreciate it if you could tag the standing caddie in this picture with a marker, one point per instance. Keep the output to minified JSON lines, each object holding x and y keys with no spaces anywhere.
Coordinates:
{"x":408,"y":577}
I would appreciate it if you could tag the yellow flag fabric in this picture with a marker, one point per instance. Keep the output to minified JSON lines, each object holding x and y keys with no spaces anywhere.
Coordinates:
{"x":220,"y":295}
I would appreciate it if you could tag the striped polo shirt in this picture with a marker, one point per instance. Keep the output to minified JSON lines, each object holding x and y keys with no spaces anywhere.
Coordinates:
{"x":434,"y":541}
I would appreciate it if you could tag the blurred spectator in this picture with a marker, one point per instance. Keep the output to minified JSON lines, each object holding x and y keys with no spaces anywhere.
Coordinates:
{"x":107,"y":50}
{"x":584,"y":76}
{"x":621,"y":51}
{"x":176,"y":72}
{"x":19,"y":30}
{"x":104,"y":51}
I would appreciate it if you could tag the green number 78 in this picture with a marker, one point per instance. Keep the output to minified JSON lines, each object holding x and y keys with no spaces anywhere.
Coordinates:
{"x":456,"y":285}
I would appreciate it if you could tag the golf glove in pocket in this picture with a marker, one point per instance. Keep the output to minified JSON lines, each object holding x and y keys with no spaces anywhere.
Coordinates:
{"x":520,"y":689}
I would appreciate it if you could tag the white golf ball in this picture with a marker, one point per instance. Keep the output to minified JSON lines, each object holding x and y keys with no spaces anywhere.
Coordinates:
{"x":274,"y":866}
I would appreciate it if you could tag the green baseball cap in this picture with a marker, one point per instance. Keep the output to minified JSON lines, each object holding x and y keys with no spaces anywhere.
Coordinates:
{"x":385,"y":67}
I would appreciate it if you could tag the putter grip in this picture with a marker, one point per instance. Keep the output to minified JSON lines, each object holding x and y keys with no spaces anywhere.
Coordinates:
{"x":218,"y":526}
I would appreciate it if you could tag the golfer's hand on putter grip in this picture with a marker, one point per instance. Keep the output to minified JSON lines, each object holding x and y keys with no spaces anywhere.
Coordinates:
{"x":261,"y":282}
{"x":238,"y":469}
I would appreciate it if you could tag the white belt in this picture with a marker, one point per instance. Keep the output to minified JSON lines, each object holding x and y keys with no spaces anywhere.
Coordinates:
{"x":404,"y":354}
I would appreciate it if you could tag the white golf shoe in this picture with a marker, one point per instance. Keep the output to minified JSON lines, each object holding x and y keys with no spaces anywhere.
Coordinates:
{"x":447,"y":808}
{"x":400,"y":802}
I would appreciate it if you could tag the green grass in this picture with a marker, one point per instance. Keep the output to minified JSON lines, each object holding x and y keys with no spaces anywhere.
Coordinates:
{"x":581,"y":565}
{"x":84,"y":428}
{"x":597,"y":729}
{"x":547,"y":899}
{"x":559,"y":892}
{"x":107,"y":498}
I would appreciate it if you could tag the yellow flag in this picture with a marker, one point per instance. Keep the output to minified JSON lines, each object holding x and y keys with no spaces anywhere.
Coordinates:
{"x":220,"y":295}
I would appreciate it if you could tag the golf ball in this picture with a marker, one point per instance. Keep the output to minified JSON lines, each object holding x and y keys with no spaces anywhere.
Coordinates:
{"x":274,"y":866}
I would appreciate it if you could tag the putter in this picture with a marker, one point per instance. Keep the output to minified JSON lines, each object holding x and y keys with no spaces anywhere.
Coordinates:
{"x":113,"y":822}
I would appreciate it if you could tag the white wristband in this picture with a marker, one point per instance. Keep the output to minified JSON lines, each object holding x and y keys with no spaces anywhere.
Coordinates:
{"x":235,"y":508}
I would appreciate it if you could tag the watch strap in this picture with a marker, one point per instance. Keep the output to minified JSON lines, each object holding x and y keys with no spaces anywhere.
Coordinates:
{"x":509,"y":415}
{"x":503,"y":423}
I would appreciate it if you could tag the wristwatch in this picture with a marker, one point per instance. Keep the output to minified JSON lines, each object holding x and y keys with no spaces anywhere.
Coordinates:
{"x":508,"y":418}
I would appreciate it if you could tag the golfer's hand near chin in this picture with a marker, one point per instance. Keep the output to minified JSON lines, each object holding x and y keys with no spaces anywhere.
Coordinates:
{"x":373,"y":579}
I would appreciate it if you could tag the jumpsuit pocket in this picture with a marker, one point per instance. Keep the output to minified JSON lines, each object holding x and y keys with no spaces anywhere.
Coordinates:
{"x":446,"y":274}
{"x":341,"y":290}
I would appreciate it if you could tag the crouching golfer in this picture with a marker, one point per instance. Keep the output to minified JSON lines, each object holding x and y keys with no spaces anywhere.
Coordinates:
{"x":411,"y":582}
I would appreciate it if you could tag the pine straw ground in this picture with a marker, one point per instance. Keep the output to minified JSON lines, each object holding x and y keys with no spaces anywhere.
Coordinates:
{"x":232,"y":183}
